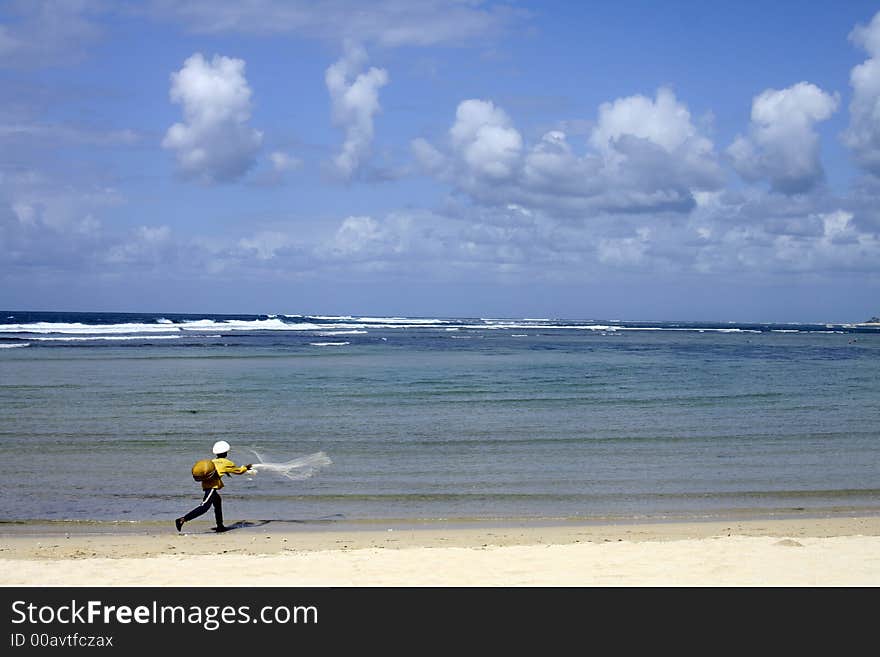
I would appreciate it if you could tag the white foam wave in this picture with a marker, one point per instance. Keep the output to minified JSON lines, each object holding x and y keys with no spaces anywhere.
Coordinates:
{"x":329,"y":344}
{"x":247,"y":325}
{"x":345,"y":325}
{"x":602,"y":327}
{"x":330,"y":333}
{"x":91,"y":338}
{"x":698,"y":329}
{"x":349,"y":322}
{"x":85,"y":329}
{"x":13,"y":346}
{"x":407,"y":321}
{"x":358,"y":324}
{"x":380,"y":322}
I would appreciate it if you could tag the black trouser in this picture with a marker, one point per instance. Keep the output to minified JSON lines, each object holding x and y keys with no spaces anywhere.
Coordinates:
{"x":212,"y":497}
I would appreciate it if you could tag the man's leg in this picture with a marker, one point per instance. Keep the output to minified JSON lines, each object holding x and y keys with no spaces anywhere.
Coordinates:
{"x":207,"y":501}
{"x":218,"y":511}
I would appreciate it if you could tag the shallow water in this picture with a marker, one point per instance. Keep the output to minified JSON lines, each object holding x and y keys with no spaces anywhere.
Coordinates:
{"x":437,"y":419}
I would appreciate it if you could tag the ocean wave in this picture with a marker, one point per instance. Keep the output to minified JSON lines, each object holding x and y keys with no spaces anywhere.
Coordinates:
{"x":247,"y":325}
{"x":329,"y":344}
{"x":375,"y":323}
{"x":76,"y":328}
{"x":90,"y":338}
{"x":162,"y":326}
{"x":398,"y":320}
{"x":331,"y":333}
{"x":13,"y":346}
{"x":698,"y":329}
{"x":406,"y":321}
{"x":352,"y":325}
{"x":342,"y":324}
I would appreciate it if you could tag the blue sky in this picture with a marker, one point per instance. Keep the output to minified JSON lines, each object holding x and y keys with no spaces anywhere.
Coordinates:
{"x":634,"y":160}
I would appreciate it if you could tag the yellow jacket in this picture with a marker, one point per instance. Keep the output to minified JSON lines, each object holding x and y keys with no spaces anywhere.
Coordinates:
{"x":224,"y":467}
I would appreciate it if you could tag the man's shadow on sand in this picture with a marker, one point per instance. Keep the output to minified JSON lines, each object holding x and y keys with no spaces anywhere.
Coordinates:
{"x":246,"y":524}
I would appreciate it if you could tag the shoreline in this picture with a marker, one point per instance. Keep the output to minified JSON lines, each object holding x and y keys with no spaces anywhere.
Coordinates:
{"x":803,"y":551}
{"x":15,"y":526}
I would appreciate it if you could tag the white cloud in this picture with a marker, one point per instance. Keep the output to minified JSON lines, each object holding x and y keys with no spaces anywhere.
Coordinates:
{"x":276,"y":169}
{"x":39,"y":202}
{"x":782,"y":145}
{"x":266,"y":244}
{"x":365,"y":239}
{"x":24,"y":212}
{"x":840,"y":248}
{"x":355,"y":235}
{"x":621,"y":251}
{"x":428,"y":158}
{"x":145,"y":245}
{"x":214,"y":143}
{"x":49,"y":225}
{"x":47,"y":32}
{"x":662,"y":121}
{"x":355,"y":101}
{"x":484,"y":138}
{"x":758,"y":232}
{"x":750,"y":234}
{"x":389,"y":23}
{"x":756,"y":235}
{"x":282,"y":162}
{"x":68,"y":133}
{"x":863,"y":133}
{"x":646,"y":155}
{"x":648,"y":144}
{"x":551,"y":161}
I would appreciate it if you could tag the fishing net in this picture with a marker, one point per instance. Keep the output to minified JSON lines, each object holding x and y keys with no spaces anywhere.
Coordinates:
{"x":302,"y":467}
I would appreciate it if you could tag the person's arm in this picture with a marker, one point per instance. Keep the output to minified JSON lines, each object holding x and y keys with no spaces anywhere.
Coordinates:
{"x":228,"y":467}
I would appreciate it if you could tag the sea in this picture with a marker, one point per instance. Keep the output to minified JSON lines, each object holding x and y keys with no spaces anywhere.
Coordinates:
{"x":436,"y":419}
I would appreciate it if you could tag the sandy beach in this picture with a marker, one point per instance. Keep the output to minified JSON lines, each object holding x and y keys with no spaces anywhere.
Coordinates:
{"x":839,"y":551}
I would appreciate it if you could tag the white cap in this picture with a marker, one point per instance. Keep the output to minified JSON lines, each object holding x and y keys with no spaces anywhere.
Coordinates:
{"x":220,"y":447}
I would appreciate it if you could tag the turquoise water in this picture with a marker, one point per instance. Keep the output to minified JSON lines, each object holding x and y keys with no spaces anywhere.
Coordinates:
{"x":485,"y":421}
